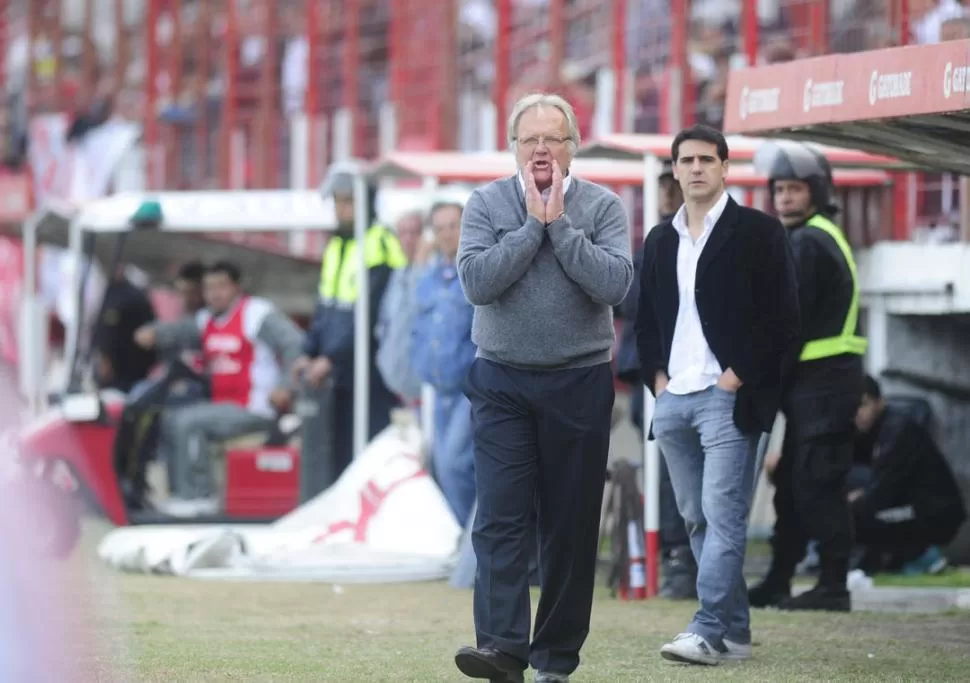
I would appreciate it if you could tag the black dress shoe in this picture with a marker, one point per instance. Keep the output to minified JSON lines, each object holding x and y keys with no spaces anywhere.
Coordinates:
{"x":491,"y":665}
{"x":769,"y":593}
{"x":819,"y":599}
{"x":549,"y":677}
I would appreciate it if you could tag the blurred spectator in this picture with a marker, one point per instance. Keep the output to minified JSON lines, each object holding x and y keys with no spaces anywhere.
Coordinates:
{"x":294,"y":78}
{"x":120,"y":362}
{"x":396,"y":316}
{"x":905,"y":502}
{"x":778,"y":49}
{"x":712,"y":92}
{"x":442,"y":353}
{"x":92,"y":111}
{"x":928,"y":28}
{"x":955,"y":29}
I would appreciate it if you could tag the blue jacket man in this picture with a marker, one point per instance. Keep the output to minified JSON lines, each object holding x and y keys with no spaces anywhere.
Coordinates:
{"x":442,"y":352}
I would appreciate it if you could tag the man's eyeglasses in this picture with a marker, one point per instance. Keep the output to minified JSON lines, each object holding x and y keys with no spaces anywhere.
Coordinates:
{"x":551,"y":141}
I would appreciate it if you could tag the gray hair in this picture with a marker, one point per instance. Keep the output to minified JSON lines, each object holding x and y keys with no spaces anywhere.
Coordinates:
{"x":440,"y":204}
{"x":409,"y":214}
{"x":543,"y":100}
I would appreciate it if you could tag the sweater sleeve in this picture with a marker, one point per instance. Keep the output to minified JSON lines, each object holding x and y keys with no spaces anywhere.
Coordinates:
{"x":601,"y":264}
{"x":488,"y":264}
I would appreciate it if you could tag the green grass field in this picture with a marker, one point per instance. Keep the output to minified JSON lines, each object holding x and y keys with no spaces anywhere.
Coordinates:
{"x":164,"y":629}
{"x":951,"y":577}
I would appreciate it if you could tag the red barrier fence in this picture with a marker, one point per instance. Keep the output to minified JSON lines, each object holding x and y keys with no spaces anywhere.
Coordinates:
{"x":266,"y":93}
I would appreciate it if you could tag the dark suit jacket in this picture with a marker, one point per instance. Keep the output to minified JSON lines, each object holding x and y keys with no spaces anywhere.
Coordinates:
{"x":747,"y":298}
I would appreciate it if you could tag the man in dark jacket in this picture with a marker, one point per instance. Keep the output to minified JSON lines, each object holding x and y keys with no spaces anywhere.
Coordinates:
{"x":718,"y":311}
{"x":910,"y":504}
{"x":679,"y":567}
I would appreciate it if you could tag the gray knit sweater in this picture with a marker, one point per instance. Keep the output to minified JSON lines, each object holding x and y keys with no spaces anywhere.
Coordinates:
{"x":543,"y":295}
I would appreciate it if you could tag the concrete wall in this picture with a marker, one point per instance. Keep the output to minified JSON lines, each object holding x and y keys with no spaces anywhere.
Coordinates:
{"x":929,"y":356}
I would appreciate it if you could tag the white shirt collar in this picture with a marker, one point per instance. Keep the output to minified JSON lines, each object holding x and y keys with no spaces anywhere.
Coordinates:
{"x":710,"y":220}
{"x":566,"y":182}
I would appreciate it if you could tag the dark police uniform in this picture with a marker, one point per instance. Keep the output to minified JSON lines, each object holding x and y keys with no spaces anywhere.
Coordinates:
{"x":820,"y":402}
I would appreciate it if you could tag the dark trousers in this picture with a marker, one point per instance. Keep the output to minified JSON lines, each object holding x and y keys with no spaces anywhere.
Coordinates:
{"x":379,"y":417}
{"x":541,"y":446}
{"x":137,"y":439}
{"x":895,"y":536}
{"x":673,"y":531}
{"x":810,"y":502}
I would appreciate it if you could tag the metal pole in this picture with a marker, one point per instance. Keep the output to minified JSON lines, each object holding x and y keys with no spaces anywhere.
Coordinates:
{"x":72,"y":340}
{"x":651,"y":453}
{"x":618,"y":28}
{"x":351,"y":69}
{"x":31,"y":348}
{"x":361,"y":318}
{"x":151,"y":140}
{"x":752,"y":30}
{"x":500,"y":85}
{"x":430,"y":186}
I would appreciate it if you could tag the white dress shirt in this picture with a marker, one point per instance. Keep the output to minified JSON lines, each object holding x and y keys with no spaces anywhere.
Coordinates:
{"x":692,"y":365}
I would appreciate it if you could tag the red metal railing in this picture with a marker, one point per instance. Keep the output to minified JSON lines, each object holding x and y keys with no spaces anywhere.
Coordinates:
{"x":267,"y":93}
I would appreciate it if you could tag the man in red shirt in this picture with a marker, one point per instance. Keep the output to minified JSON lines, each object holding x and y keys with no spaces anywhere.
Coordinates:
{"x":247,"y":347}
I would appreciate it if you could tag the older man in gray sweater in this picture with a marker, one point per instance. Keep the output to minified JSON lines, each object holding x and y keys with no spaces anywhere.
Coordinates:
{"x":544,"y":257}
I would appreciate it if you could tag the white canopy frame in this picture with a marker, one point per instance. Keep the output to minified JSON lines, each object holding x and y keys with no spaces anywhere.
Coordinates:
{"x":186,"y":216}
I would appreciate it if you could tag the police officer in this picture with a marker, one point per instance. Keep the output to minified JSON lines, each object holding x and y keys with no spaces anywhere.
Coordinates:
{"x":823,"y":388}
{"x":328,"y":359}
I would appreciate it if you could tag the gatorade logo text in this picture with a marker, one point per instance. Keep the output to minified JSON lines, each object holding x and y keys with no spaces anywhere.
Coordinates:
{"x":890,"y":86}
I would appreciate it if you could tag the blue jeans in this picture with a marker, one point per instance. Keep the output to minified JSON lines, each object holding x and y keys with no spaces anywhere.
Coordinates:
{"x":711,"y":466}
{"x":453,"y":453}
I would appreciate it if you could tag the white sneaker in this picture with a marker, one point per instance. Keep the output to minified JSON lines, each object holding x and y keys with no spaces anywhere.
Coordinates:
{"x":736,"y":652}
{"x":691,"y":648}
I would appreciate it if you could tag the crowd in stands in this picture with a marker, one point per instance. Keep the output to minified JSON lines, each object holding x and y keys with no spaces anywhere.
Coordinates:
{"x":104,"y":72}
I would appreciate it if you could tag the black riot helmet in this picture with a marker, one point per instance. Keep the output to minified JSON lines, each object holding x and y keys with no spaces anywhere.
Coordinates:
{"x":340,"y":181}
{"x":788,"y":160}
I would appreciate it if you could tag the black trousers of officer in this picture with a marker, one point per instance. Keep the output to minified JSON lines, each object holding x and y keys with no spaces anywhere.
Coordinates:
{"x":541,"y":446}
{"x":810,"y":498}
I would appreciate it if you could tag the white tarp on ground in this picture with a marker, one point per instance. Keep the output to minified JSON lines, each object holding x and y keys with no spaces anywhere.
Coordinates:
{"x":384,"y":520}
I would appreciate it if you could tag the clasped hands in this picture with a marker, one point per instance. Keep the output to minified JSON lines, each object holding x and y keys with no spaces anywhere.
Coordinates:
{"x":544,"y":211}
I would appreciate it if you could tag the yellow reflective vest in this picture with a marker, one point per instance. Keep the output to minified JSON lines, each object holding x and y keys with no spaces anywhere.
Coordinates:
{"x":338,"y":271}
{"x":847,"y":340}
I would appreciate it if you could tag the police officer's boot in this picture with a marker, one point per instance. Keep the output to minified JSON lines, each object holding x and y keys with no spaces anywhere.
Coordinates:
{"x":775,"y":588}
{"x":830,"y":594}
{"x":679,"y":575}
